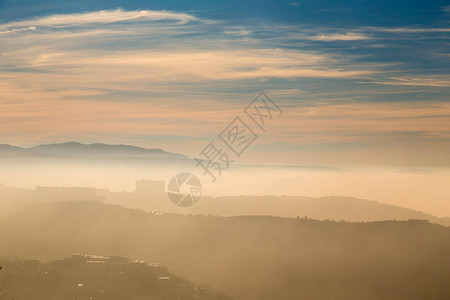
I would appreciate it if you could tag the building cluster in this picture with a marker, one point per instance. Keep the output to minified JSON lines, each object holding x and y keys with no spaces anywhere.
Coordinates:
{"x":113,"y":260}
{"x":149,"y":195}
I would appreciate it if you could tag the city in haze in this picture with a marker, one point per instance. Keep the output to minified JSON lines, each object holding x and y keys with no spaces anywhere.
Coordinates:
{"x":224,"y":149}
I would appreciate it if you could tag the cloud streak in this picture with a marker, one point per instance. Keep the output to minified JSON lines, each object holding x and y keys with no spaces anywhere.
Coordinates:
{"x":331,"y":37}
{"x":433,"y":81}
{"x":402,"y":30}
{"x":148,"y":50}
{"x":98,"y":17}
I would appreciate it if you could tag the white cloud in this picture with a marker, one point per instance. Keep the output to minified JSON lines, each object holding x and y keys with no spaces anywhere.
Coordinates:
{"x":97,"y":17}
{"x":121,"y":69}
{"x":156,"y":52}
{"x":349,"y":36}
{"x":435,"y":81}
{"x":241,"y":32}
{"x":18,"y":29}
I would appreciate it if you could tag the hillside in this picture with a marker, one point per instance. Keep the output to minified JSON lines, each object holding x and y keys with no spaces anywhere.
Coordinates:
{"x":247,"y":257}
{"x":95,"y":277}
{"x":323,"y":208}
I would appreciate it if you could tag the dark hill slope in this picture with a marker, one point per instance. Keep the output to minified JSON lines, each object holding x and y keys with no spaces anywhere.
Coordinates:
{"x":248,"y":257}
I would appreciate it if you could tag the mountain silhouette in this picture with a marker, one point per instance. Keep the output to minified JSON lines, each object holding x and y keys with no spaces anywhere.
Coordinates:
{"x":75,"y":149}
{"x":6,"y":149}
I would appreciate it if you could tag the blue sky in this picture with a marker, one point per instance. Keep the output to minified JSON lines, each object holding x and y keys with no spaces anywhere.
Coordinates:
{"x":362,"y":82}
{"x":331,"y":13}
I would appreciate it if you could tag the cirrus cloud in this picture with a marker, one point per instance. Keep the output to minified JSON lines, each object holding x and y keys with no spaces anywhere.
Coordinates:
{"x":97,"y":17}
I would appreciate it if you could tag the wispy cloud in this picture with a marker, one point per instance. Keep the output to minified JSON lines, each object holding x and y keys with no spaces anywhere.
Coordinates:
{"x":407,"y":29}
{"x":149,"y":51}
{"x":241,"y":32}
{"x":97,"y":17}
{"x":434,"y":81}
{"x":364,"y":129}
{"x":349,"y":36}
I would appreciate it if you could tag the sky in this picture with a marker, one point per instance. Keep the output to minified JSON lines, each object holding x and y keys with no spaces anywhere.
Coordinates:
{"x":362,"y":84}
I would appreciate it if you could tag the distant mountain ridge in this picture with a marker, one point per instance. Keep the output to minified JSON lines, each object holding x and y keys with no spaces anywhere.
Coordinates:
{"x":6,"y":149}
{"x":75,"y":149}
{"x":324,"y":208}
